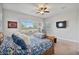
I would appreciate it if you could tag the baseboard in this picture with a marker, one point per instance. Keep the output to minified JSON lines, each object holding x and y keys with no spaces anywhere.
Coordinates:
{"x":75,"y":41}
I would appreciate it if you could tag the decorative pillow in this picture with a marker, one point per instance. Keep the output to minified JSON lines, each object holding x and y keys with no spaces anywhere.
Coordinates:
{"x":39,"y":35}
{"x":17,"y":40}
{"x":26,"y":38}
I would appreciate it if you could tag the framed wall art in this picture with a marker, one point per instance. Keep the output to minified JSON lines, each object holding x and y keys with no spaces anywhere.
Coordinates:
{"x":61,"y":24}
{"x":12,"y":24}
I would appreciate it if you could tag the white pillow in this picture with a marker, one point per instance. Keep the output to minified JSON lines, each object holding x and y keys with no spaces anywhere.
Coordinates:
{"x":39,"y":35}
{"x":29,"y":31}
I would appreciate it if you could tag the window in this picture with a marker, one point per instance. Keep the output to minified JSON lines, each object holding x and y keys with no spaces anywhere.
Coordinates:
{"x":27,"y":24}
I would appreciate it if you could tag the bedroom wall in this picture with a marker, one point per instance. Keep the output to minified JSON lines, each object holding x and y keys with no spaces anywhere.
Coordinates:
{"x":71,"y":15}
{"x":78,"y":22}
{"x":1,"y":18}
{"x":16,"y":16}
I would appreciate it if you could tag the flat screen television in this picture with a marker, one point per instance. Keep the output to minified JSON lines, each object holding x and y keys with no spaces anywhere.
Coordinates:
{"x":61,"y":24}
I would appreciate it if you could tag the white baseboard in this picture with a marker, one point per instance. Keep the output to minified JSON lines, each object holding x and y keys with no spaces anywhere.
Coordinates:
{"x":75,"y":41}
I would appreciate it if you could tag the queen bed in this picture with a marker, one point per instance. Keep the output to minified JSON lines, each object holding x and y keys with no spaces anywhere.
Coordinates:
{"x":16,"y":46}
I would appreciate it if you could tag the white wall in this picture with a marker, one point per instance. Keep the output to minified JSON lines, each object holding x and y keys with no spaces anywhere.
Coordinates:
{"x":16,"y":16}
{"x":71,"y":15}
{"x":72,"y":31}
{"x":1,"y":18}
{"x":78,"y":22}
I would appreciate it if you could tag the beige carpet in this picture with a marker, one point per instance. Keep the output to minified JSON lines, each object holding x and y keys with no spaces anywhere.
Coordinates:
{"x":63,"y":47}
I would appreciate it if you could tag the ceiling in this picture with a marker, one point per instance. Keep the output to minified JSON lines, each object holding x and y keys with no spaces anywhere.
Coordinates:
{"x":30,"y":8}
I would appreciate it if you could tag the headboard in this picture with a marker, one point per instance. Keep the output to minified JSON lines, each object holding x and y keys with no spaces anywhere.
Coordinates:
{"x":1,"y":37}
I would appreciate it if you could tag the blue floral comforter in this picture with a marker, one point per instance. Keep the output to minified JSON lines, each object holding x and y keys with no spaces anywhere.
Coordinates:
{"x":37,"y":47}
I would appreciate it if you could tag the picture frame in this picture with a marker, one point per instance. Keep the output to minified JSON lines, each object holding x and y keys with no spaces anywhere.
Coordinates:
{"x":61,"y":24}
{"x":12,"y":24}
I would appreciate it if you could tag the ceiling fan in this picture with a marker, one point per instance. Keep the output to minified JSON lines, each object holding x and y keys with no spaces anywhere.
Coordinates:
{"x":42,"y":9}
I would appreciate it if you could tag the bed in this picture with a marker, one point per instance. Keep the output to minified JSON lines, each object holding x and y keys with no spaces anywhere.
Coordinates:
{"x":37,"y":47}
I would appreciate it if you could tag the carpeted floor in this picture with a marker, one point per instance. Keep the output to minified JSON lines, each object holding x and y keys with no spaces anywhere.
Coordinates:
{"x":63,"y":47}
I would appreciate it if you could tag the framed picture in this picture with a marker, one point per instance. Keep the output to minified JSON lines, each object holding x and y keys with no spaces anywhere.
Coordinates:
{"x":61,"y":24}
{"x":12,"y":24}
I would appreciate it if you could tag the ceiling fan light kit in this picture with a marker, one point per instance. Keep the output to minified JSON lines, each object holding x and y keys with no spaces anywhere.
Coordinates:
{"x":42,"y":9}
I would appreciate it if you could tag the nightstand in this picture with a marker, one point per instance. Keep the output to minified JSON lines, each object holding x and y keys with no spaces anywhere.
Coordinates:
{"x":53,"y":38}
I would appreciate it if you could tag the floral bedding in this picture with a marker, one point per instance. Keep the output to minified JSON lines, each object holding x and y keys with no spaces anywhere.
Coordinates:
{"x":37,"y":47}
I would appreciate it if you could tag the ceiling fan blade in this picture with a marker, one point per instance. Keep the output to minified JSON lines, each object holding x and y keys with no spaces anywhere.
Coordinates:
{"x":46,"y":11}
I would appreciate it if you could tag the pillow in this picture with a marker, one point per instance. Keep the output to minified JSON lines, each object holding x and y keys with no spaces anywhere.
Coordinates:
{"x":39,"y":35}
{"x":26,"y":38}
{"x":29,"y":31}
{"x":17,"y":40}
